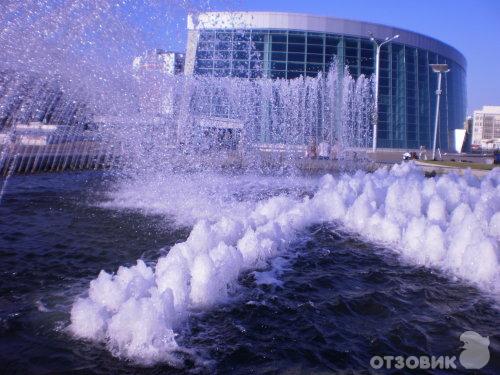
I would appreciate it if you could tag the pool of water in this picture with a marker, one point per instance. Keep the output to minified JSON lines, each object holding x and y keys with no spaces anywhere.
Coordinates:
{"x":329,"y":303}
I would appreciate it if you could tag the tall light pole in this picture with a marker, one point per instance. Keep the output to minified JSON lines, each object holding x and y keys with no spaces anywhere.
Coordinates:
{"x":377,"y":69}
{"x":439,"y":69}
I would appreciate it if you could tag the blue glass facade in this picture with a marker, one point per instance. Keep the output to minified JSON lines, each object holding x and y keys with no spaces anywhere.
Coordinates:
{"x":407,"y":85}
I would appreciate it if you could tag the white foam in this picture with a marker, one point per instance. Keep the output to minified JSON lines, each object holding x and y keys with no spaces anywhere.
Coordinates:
{"x":449,"y":222}
{"x":190,"y":197}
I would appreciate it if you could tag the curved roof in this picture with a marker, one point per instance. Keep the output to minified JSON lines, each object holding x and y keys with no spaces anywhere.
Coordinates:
{"x":313,"y":23}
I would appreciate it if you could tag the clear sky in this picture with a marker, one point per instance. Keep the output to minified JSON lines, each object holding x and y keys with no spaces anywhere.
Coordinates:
{"x":471,"y":26}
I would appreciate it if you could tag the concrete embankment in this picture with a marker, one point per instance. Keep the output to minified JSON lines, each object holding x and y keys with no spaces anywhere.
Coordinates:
{"x":16,"y":159}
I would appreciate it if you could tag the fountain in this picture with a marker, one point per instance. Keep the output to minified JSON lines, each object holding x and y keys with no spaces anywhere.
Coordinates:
{"x":94,"y":110}
{"x":257,"y":115}
{"x":221,"y":156}
{"x":260,"y":118}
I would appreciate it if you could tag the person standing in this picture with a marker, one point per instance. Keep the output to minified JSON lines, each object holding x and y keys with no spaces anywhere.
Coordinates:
{"x":324,"y":150}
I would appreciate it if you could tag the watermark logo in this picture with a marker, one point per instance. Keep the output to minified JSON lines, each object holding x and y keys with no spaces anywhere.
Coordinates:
{"x":475,"y":356}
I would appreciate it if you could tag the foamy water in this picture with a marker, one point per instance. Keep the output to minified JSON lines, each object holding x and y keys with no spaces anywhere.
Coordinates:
{"x":450,"y":223}
{"x":187,"y":198}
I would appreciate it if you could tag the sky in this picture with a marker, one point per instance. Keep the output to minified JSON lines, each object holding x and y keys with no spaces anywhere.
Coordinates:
{"x":471,"y":26}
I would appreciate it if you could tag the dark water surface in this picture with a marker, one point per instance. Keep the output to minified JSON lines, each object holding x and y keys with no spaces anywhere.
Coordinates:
{"x":337,"y":301}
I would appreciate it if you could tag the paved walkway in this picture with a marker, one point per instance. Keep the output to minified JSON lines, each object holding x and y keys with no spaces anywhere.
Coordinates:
{"x":441,"y":169}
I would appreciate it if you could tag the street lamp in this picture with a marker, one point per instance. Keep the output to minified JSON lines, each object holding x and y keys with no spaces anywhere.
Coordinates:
{"x":439,"y":69}
{"x":377,"y":69}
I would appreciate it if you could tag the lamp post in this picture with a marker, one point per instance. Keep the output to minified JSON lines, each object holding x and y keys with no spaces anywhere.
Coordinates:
{"x":439,"y":69}
{"x":377,"y":69}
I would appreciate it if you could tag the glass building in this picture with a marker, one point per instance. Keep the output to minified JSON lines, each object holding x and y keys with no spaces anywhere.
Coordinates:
{"x":283,"y":45}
